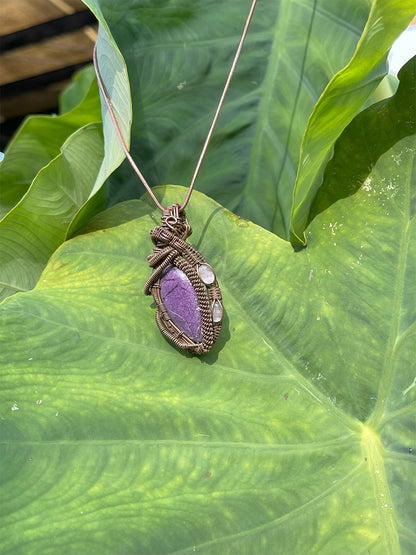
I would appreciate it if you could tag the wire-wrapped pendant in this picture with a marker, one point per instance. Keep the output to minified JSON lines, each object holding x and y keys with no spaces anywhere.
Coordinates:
{"x":183,"y":285}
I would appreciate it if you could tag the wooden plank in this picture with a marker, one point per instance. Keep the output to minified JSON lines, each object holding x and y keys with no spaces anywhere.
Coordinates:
{"x":32,"y":102}
{"x":43,"y":57}
{"x":47,"y":30}
{"x":21,"y":14}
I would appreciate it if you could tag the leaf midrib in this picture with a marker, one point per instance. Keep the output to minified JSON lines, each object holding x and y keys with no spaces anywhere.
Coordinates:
{"x":374,"y":455}
{"x":275,"y":447}
{"x":292,"y":117}
{"x":376,"y":418}
{"x":270,"y":77}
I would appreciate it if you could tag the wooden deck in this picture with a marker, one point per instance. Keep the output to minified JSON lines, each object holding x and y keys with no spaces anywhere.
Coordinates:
{"x":42,"y":43}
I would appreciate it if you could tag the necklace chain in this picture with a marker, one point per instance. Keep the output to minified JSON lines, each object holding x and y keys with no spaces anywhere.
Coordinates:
{"x":210,"y":132}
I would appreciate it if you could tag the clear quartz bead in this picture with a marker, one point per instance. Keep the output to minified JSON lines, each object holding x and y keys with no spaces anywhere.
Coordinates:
{"x":217,"y":312}
{"x":206,"y":274}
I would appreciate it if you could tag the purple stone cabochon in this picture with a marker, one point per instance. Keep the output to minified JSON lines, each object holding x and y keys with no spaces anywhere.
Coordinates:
{"x":181,"y":302}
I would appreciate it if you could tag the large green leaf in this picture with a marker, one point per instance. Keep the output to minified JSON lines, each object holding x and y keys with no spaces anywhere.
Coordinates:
{"x":342,"y":99}
{"x":363,"y":141}
{"x":37,"y":142}
{"x":292,"y":436}
{"x":38,"y":224}
{"x":114,"y":74}
{"x":178,"y":54}
{"x":68,"y":191}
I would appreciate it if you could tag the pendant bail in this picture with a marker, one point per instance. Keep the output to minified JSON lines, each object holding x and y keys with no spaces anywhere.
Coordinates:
{"x":174,"y":218}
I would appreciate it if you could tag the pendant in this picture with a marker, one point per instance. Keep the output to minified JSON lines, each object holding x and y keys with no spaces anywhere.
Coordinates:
{"x":184,"y":286}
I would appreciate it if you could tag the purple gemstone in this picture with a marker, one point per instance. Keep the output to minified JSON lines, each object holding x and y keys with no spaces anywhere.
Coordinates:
{"x":180,"y":300}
